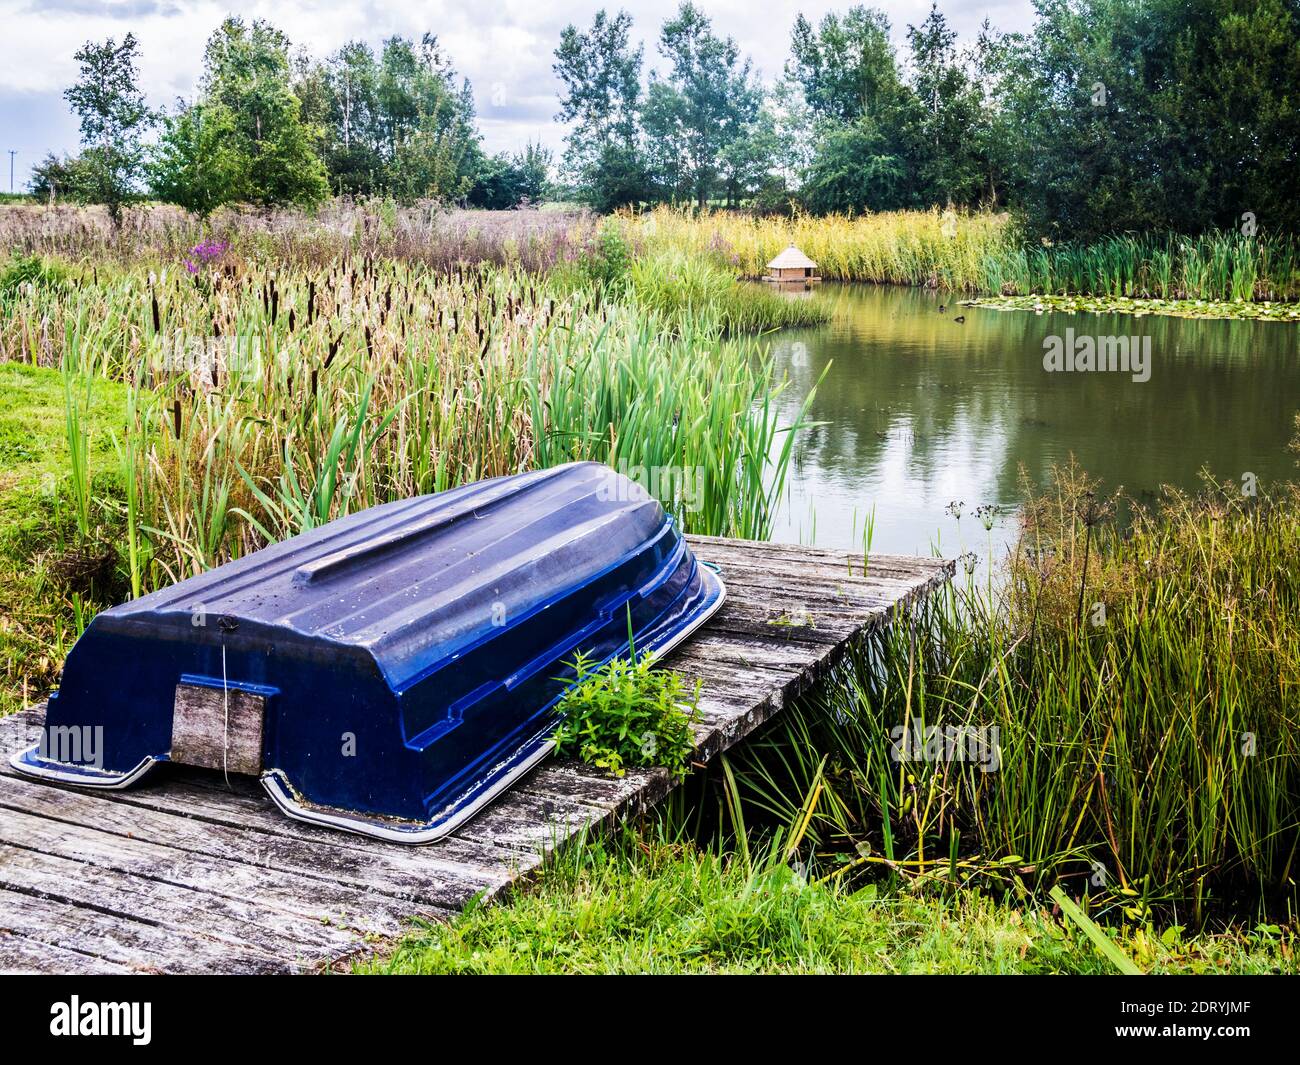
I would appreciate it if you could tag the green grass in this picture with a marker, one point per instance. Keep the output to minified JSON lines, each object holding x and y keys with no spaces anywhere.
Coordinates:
{"x":983,"y":253}
{"x":51,"y":579}
{"x":640,"y":905}
{"x":681,"y":286}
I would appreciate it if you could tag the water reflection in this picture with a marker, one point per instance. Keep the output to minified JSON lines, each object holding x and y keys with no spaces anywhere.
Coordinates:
{"x":921,"y":410}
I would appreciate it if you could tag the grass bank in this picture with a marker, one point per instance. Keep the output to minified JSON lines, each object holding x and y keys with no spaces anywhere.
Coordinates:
{"x":52,"y":579}
{"x":644,"y":905}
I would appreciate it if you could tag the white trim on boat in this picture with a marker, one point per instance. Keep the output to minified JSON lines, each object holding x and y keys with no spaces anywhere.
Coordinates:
{"x":77,"y":775}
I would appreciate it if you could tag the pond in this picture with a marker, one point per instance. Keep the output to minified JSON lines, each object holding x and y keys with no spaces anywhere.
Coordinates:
{"x":920,"y":410}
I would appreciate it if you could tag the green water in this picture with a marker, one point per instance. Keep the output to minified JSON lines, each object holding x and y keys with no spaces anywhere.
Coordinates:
{"x":921,"y":411}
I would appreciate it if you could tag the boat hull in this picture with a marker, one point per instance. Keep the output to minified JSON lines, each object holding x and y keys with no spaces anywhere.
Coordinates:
{"x":389,"y":673}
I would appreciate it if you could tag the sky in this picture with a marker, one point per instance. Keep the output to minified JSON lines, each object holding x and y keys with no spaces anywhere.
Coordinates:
{"x":503,"y":46}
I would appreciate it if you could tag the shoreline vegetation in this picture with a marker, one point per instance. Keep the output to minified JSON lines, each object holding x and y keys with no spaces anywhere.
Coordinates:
{"x":681,"y":257}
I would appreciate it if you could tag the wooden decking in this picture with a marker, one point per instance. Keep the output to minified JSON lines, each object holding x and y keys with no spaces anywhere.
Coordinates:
{"x":185,"y":874}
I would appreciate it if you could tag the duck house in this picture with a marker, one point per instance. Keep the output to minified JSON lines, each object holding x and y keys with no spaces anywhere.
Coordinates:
{"x":793,"y":267}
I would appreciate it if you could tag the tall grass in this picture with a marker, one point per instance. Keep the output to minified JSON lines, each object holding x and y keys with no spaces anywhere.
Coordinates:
{"x":984,"y":253}
{"x":426,"y":233}
{"x":1216,"y":266}
{"x":1149,"y":756}
{"x":971,"y":252}
{"x":266,"y":400}
{"x":674,"y":282}
{"x":898,"y":247}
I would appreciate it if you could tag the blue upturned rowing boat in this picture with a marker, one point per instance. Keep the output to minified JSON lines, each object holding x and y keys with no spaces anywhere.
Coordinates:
{"x":388,"y":673}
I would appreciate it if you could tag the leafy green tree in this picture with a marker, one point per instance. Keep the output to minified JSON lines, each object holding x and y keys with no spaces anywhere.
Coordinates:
{"x":946,"y":164}
{"x":853,"y":171}
{"x":847,"y":66}
{"x":601,"y":73}
{"x":746,"y":161}
{"x":430,"y":143}
{"x":863,"y":125}
{"x":340,"y":96}
{"x":1174,"y":114}
{"x":704,"y":105}
{"x":114,"y":118}
{"x":393,"y":123}
{"x":247,"y":75}
{"x":1225,"y":80}
{"x":994,"y":136}
{"x":56,"y":178}
{"x":505,"y":181}
{"x":197,"y":163}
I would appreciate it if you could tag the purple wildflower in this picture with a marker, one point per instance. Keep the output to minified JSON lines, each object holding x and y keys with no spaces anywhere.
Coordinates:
{"x":205,"y":253}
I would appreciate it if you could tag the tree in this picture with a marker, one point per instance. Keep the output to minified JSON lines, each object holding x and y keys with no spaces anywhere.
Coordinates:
{"x":947,"y":168}
{"x":247,"y":74}
{"x":56,"y":177}
{"x":505,"y":181}
{"x":853,"y":170}
{"x":847,"y":67}
{"x":340,"y":96}
{"x":428,"y":139}
{"x":601,"y":73}
{"x":994,"y":139}
{"x":863,"y":116}
{"x":706,"y":102}
{"x":746,"y":160}
{"x":197,"y":163}
{"x":113,"y":118}
{"x":1225,"y":81}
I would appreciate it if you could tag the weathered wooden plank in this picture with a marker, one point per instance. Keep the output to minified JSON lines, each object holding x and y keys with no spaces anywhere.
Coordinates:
{"x":20,"y":955}
{"x":159,"y":902}
{"x":202,"y":797}
{"x":218,"y":728}
{"x":794,"y":590}
{"x":533,"y":824}
{"x":124,"y":941}
{"x":580,"y":782}
{"x":422,"y":879}
{"x":787,"y":556}
{"x":346,"y":907}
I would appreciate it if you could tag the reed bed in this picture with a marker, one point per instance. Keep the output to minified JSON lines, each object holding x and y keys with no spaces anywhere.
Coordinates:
{"x":983,"y":253}
{"x":677,"y":284}
{"x":1225,"y":266}
{"x":1145,"y":692}
{"x":931,"y":248}
{"x":976,"y":252}
{"x":264,"y":401}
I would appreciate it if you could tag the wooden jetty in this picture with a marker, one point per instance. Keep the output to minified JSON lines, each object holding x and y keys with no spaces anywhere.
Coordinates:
{"x":186,"y":873}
